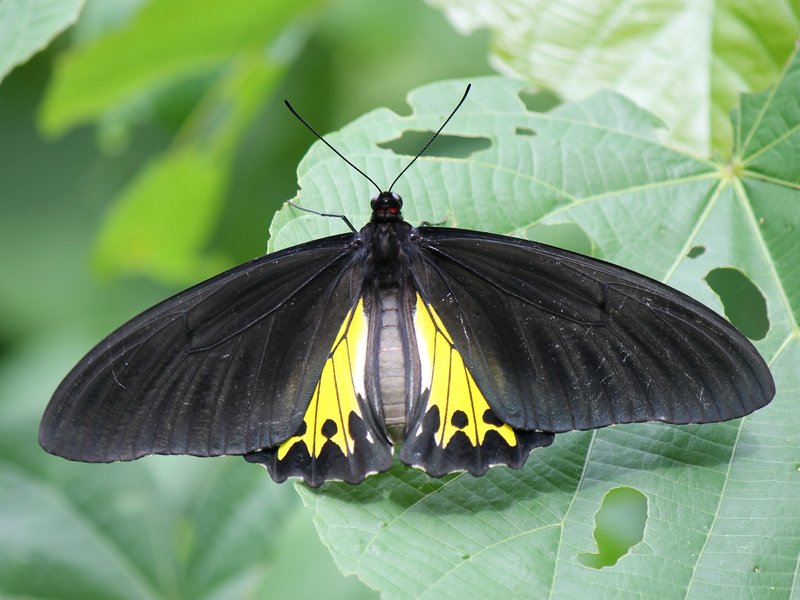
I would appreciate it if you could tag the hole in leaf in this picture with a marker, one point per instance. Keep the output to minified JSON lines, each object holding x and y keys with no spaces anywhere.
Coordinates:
{"x":696,"y":251}
{"x":540,"y":101}
{"x":619,"y":526}
{"x":568,"y":236}
{"x":744,"y":303}
{"x":445,"y":146}
{"x":527,"y":131}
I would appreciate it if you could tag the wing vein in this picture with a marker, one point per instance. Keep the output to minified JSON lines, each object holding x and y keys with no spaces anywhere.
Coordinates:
{"x":277,"y":306}
{"x":212,"y":413}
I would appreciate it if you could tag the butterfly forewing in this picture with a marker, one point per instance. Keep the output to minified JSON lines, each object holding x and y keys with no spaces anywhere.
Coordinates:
{"x":557,"y":341}
{"x":226,"y":367}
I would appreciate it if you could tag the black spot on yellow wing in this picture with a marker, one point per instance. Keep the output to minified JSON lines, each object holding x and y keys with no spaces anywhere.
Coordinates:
{"x":460,"y":419}
{"x":329,"y":428}
{"x":456,"y":429}
{"x":338,"y":439}
{"x":490,"y":418}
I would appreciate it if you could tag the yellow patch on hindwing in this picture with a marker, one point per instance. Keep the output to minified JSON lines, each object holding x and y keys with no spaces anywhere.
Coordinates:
{"x":453,"y":391}
{"x":335,"y":397}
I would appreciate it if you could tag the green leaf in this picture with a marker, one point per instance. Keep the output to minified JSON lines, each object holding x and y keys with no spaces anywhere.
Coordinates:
{"x":685,"y":61}
{"x":722,"y":499}
{"x":160,"y":223}
{"x":27,"y":26}
{"x":130,"y":63}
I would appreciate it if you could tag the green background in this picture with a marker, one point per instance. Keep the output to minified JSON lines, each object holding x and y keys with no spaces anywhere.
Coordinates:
{"x":148,"y":146}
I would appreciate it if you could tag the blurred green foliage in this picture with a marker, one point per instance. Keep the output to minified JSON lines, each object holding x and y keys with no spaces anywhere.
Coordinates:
{"x":148,"y":146}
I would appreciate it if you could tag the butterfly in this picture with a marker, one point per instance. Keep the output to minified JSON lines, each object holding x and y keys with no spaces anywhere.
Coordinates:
{"x":463,"y":349}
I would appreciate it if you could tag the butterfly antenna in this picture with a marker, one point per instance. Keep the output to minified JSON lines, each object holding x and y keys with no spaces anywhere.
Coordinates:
{"x":322,"y":214}
{"x":324,"y":141}
{"x":435,"y":135}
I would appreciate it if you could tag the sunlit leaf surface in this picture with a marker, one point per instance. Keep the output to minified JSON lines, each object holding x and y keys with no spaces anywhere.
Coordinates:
{"x":27,"y":26}
{"x":685,"y":61}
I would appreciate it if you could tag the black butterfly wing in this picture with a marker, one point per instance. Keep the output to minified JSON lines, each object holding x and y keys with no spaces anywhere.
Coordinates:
{"x":557,"y":341}
{"x":226,"y":367}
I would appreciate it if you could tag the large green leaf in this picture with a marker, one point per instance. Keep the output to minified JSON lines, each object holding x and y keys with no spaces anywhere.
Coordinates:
{"x":685,"y":61}
{"x":27,"y":26}
{"x":722,"y":500}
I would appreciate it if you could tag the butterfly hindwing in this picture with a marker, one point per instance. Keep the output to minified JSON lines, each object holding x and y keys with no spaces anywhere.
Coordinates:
{"x":558,"y":341}
{"x":339,"y":438}
{"x":453,"y":428}
{"x":225,"y":367}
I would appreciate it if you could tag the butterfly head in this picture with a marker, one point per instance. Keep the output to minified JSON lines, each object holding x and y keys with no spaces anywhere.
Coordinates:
{"x":386,"y":207}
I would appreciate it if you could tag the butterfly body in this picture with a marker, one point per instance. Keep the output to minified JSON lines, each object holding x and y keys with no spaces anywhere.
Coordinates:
{"x":392,"y":353}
